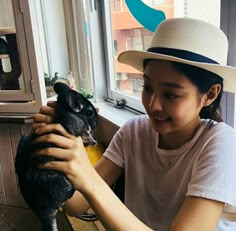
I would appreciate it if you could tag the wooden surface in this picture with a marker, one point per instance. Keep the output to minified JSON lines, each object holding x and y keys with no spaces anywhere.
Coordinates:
{"x":20,"y":119}
{"x":20,"y":219}
{"x":7,"y":30}
{"x":78,"y":224}
{"x":5,"y":56}
{"x":105,"y":131}
{"x":10,"y":135}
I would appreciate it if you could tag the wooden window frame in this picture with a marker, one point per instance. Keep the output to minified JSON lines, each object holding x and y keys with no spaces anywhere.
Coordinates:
{"x":29,"y":100}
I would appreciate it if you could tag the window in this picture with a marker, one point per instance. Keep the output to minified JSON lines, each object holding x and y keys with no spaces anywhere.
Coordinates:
{"x":79,"y":35}
{"x":53,"y":42}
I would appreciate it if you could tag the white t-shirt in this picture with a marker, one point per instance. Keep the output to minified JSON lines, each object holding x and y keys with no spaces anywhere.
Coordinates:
{"x":157,"y":181}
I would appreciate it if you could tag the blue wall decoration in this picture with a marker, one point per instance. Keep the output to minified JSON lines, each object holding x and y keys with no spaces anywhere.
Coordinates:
{"x":147,"y":16}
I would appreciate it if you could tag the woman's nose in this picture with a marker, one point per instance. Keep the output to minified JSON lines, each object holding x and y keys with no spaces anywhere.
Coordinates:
{"x":155,"y":103}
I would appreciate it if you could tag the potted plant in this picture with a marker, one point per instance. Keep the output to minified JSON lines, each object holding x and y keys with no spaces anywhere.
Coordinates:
{"x":50,"y":81}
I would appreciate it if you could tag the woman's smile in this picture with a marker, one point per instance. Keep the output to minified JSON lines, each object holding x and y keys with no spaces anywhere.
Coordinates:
{"x":159,"y":119}
{"x":160,"y":123}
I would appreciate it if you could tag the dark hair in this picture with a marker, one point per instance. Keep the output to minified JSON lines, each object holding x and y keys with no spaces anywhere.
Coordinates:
{"x":203,"y":80}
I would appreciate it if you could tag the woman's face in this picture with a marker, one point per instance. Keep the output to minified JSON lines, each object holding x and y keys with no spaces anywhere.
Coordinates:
{"x":172,"y":102}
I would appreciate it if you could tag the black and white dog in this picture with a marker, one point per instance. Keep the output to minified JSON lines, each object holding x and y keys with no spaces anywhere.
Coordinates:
{"x":46,"y":190}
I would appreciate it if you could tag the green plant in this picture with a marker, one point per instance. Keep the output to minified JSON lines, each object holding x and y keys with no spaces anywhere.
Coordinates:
{"x":50,"y":80}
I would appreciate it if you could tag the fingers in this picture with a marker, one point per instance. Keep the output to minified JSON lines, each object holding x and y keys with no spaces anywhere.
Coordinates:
{"x":35,"y":126}
{"x":73,"y":160}
{"x":45,"y":116}
{"x":53,"y":128}
{"x":41,"y":120}
{"x":59,"y":153}
{"x":65,"y":157}
{"x":68,"y":154}
{"x":52,"y":104}
{"x":55,"y":165}
{"x":49,"y":109}
{"x":59,"y":140}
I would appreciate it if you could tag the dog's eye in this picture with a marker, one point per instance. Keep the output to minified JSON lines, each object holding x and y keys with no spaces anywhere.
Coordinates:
{"x":76,"y":109}
{"x":89,"y":112}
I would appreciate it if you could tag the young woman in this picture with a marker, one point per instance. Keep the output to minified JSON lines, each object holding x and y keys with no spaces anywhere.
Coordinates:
{"x":179,"y":160}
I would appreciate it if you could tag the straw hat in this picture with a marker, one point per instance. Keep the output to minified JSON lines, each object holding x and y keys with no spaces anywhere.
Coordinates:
{"x":188,"y":41}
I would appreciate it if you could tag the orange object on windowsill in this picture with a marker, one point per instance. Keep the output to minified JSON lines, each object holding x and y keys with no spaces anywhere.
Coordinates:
{"x":94,"y":153}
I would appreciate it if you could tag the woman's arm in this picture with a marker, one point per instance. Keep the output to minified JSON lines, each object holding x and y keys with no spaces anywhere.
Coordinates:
{"x":111,"y":211}
{"x":194,"y":215}
{"x":197,"y":214}
{"x":109,"y":173}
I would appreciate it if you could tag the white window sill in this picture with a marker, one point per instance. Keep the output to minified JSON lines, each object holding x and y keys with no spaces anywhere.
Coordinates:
{"x":115,"y":115}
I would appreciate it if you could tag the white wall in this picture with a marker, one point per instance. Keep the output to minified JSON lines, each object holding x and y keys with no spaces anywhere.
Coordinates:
{"x":205,"y":7}
{"x":55,"y":33}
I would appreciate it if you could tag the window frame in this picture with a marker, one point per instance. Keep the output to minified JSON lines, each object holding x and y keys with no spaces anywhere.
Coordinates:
{"x":115,"y":96}
{"x":29,"y":101}
{"x":26,"y":94}
{"x":228,"y":8}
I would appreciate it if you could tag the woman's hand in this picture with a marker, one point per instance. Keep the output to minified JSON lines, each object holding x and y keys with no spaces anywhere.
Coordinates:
{"x":74,"y":162}
{"x":45,"y":116}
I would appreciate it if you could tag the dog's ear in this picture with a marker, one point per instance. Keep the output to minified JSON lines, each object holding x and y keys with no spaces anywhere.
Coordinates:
{"x":67,"y":97}
{"x":79,"y":104}
{"x":60,"y":87}
{"x":75,"y":101}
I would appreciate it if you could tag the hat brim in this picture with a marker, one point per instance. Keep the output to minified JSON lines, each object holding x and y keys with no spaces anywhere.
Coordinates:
{"x":135,"y":59}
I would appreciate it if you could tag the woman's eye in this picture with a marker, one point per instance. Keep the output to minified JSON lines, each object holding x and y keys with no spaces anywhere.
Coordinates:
{"x":171,"y":96}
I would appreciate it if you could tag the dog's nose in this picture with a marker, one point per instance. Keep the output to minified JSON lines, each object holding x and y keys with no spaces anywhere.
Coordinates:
{"x":88,"y":139}
{"x":93,"y":142}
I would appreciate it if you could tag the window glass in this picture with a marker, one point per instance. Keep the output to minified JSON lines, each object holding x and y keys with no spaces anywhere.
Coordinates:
{"x":68,"y":58}
{"x":53,"y":42}
{"x":83,"y":62}
{"x":132,"y":28}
